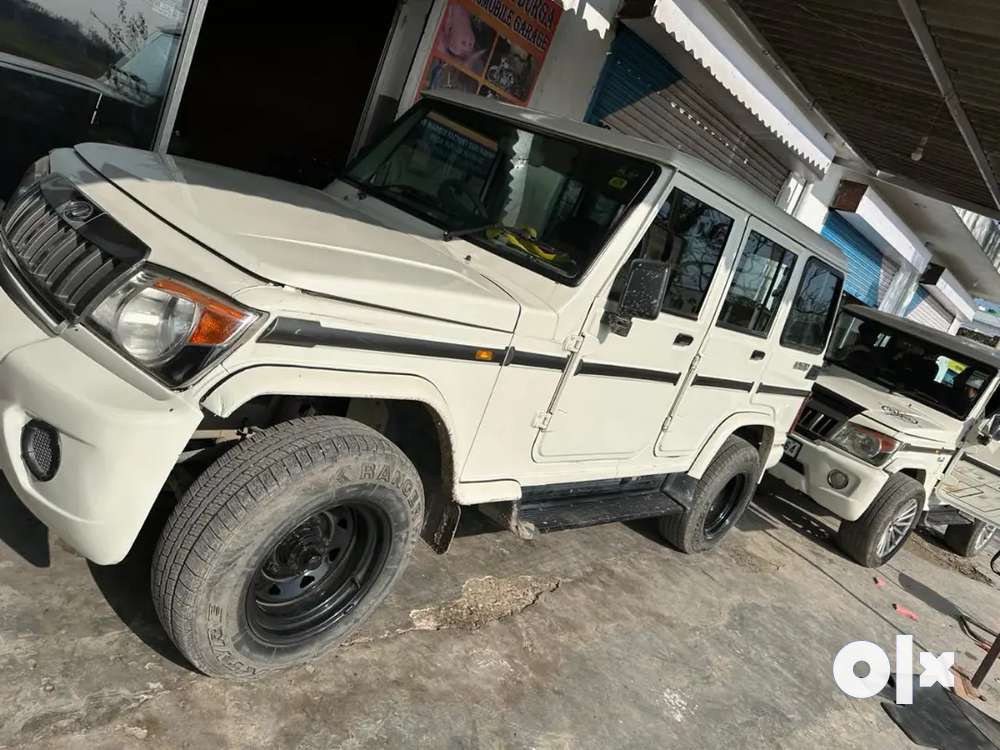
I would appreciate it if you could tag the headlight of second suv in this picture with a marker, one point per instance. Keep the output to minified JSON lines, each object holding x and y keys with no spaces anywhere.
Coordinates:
{"x":172,"y":328}
{"x":870,"y":445}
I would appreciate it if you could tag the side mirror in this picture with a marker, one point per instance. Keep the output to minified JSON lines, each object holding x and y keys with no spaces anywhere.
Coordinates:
{"x":642,"y":295}
{"x":989,"y":429}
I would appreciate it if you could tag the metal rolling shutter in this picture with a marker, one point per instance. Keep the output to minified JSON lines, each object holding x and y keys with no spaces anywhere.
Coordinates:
{"x":869,"y":273}
{"x":642,"y":95}
{"x":923,"y":308}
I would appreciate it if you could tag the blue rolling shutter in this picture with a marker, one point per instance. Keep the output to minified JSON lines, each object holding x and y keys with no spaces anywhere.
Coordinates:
{"x":869,"y":273}
{"x":642,"y":95}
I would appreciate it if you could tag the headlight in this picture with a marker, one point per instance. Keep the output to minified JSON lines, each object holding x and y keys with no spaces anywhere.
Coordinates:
{"x":872,"y":446}
{"x":171,"y":327}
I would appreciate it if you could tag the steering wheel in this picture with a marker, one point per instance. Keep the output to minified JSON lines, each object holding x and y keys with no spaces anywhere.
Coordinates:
{"x":456,"y":197}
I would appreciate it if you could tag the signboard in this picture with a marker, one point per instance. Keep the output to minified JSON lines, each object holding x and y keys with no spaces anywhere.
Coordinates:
{"x":492,"y":48}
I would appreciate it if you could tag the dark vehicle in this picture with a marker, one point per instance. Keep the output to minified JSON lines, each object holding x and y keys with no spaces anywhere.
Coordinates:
{"x":46,"y":106}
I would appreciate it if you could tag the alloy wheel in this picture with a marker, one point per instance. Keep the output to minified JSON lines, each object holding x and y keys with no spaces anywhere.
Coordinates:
{"x":897,"y":530}
{"x":983,"y":537}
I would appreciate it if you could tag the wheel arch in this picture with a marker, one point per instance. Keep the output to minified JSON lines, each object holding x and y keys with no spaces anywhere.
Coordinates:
{"x":757,"y":428}
{"x":407,"y":408}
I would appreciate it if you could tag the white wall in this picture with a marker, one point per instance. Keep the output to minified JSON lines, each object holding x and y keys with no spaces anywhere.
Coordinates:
{"x":576,"y":58}
{"x":817,"y":197}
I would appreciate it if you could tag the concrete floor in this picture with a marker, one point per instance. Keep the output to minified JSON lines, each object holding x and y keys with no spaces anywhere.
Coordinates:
{"x":602,"y":638}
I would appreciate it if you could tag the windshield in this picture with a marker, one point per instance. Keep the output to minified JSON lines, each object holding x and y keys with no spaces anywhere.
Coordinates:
{"x":543,"y":202}
{"x":909,"y":366}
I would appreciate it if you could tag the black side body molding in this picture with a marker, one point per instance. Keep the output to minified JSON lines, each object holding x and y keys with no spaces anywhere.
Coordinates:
{"x":733,"y":385}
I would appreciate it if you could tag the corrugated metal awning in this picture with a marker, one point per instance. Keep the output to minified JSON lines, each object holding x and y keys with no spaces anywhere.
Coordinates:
{"x":861,"y":62}
{"x":701,"y":34}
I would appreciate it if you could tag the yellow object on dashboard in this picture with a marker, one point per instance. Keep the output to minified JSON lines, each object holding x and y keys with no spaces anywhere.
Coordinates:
{"x":521,"y":241}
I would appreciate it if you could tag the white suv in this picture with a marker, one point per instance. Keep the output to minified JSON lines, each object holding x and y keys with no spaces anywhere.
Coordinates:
{"x":902,"y":425}
{"x":491,"y":307}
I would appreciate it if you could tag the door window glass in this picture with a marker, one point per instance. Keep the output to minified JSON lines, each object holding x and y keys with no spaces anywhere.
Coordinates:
{"x":690,"y":236}
{"x":758,"y":286}
{"x":813,"y":308}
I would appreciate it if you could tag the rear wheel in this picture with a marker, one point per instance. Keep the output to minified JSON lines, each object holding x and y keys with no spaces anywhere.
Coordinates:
{"x":720,"y":499}
{"x":882,"y":530}
{"x":284,"y":545}
{"x":969,"y":539}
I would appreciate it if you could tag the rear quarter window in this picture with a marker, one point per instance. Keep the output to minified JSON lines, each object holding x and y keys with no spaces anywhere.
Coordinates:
{"x":814,"y":307}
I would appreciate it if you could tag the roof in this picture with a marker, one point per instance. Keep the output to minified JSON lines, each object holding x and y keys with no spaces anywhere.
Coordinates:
{"x":958,"y":344}
{"x":732,"y":188}
{"x":861,"y":63}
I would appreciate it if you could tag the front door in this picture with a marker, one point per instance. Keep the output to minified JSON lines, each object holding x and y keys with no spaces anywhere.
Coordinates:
{"x":972,"y":481}
{"x":972,"y":484}
{"x":615,"y":402}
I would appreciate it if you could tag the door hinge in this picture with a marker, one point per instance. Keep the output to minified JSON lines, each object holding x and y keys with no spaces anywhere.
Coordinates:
{"x":573,"y":343}
{"x":542,"y":420}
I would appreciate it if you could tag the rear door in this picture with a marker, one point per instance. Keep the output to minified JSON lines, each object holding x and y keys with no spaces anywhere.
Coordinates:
{"x":797,"y":355}
{"x":737,"y":350}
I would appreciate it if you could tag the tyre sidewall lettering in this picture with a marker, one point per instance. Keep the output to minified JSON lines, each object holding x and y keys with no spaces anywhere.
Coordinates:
{"x":351,"y":477}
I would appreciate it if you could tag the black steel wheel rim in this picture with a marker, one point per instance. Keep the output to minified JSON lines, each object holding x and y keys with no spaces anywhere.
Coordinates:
{"x":720,"y":512}
{"x":317,"y":573}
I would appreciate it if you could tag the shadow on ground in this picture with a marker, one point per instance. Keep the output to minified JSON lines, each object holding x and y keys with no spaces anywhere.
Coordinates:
{"x":125,"y":586}
{"x":929,"y":596}
{"x":20,"y":530}
{"x":776,"y":505}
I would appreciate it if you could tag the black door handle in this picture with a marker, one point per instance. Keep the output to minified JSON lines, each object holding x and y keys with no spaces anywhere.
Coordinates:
{"x":683,"y":340}
{"x":757,"y":355}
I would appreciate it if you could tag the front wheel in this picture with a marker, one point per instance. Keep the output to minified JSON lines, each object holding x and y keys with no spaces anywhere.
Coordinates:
{"x":969,"y":539}
{"x":284,"y":545}
{"x":722,"y":495}
{"x":884,"y":527}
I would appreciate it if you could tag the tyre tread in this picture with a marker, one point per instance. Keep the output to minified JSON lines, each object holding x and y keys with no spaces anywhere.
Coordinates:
{"x":857,"y":539}
{"x":224,"y":494}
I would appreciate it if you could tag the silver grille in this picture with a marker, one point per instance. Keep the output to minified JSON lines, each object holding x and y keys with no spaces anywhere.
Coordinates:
{"x":64,"y":270}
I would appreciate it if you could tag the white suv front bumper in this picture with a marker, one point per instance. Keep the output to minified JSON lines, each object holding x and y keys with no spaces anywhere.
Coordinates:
{"x":118,"y":443}
{"x":809,"y":475}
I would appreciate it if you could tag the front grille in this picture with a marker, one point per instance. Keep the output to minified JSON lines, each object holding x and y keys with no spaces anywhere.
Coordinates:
{"x":823,"y":413}
{"x":61,"y":263}
{"x":814,"y":423}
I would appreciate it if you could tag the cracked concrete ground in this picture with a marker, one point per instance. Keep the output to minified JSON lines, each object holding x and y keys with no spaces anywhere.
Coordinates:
{"x":596,"y":638}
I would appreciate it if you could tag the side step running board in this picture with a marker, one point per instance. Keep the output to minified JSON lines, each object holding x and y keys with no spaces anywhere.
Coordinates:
{"x":575,"y":506}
